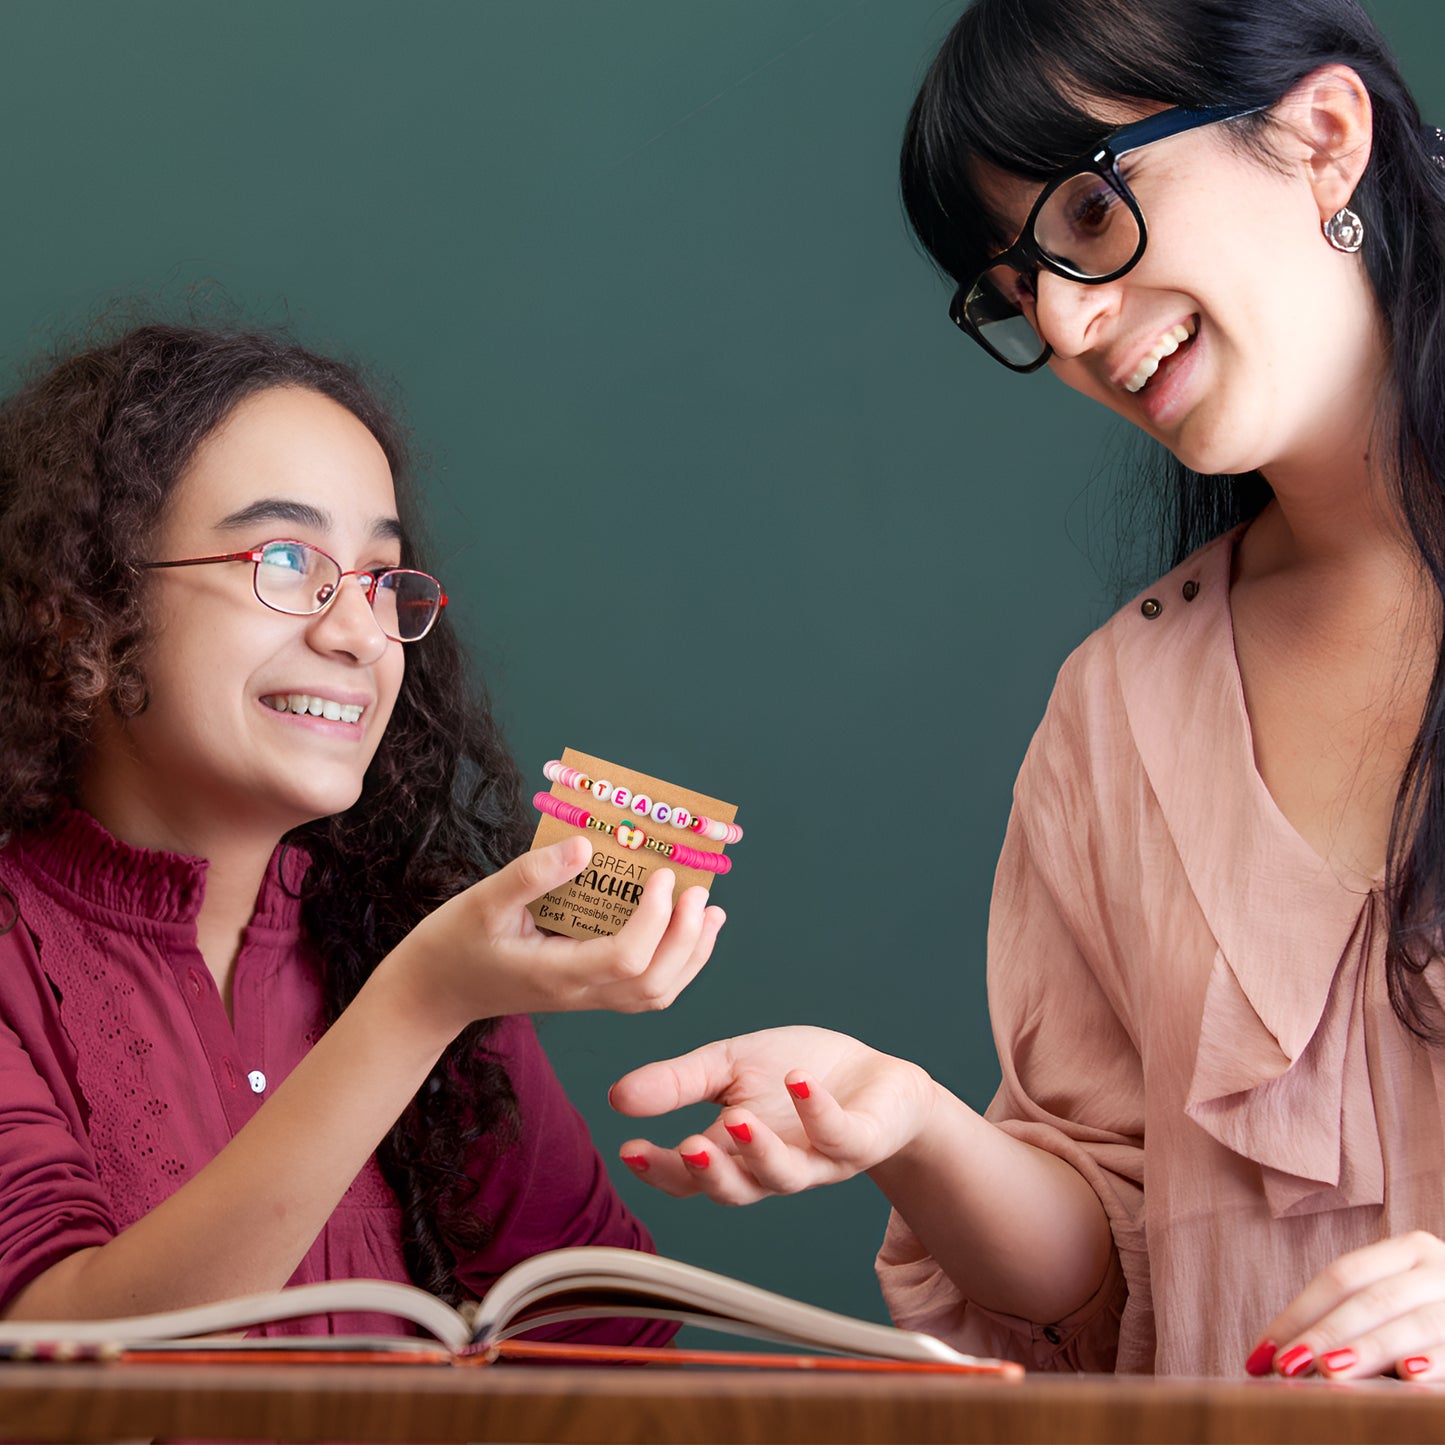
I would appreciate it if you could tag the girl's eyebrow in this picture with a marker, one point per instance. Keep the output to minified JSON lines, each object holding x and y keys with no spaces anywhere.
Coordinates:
{"x":302,"y":514}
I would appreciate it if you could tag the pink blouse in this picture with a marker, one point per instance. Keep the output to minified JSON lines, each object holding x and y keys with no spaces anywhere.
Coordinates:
{"x":1190,"y":1007}
{"x":121,"y":1076}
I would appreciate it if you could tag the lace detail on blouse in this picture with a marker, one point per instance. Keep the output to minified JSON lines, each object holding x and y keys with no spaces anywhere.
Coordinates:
{"x":106,"y":1020}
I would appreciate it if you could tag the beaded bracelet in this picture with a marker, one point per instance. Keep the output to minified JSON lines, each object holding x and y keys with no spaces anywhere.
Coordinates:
{"x":632,"y":838}
{"x":641,"y":804}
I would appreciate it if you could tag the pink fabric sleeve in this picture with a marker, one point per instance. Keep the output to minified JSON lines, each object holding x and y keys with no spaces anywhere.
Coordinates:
{"x":1072,"y":1080}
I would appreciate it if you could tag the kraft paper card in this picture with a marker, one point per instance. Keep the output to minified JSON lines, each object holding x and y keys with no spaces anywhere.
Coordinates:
{"x":600,"y":899}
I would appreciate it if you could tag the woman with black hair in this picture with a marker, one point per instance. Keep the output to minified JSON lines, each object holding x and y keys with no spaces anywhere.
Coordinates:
{"x":259,"y":1021}
{"x":1214,"y":944}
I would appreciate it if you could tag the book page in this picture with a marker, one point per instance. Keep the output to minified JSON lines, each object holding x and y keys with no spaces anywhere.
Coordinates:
{"x":627,"y":1282}
{"x":343,"y":1296}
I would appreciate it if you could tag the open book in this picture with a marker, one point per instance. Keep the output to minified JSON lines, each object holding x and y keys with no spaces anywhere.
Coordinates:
{"x":563,"y":1284}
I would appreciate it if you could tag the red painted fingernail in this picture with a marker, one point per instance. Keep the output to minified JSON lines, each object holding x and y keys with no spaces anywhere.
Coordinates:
{"x":1293,"y":1361}
{"x":741,"y":1133}
{"x":635,"y":1162}
{"x":1261,"y":1362}
{"x":1416,"y":1364}
{"x":698,"y":1160}
{"x":1339,"y":1359}
{"x":799,"y":1090}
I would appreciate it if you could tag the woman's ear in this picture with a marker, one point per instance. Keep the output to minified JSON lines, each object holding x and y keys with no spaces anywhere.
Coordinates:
{"x":1330,"y":114}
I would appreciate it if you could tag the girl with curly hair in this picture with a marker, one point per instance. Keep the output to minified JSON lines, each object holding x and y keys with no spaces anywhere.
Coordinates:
{"x":1214,"y":956}
{"x":260,"y":1022}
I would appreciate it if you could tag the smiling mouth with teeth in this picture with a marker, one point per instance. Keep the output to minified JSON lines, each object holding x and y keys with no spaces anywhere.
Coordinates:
{"x":1167,"y":345}
{"x":300,"y":703}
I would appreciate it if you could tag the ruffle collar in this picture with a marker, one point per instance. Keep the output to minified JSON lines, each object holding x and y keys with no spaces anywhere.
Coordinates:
{"x":1280,"y":1074}
{"x":77,"y":855}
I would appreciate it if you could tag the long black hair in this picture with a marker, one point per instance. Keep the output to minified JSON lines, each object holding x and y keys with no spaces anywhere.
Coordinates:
{"x":1011,"y":87}
{"x":90,"y":451}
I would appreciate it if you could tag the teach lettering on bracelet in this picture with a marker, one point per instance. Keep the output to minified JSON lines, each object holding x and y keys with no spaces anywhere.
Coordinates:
{"x":639,"y":823}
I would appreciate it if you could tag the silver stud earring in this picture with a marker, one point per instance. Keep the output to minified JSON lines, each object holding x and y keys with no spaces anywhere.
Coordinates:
{"x":1345,"y":231}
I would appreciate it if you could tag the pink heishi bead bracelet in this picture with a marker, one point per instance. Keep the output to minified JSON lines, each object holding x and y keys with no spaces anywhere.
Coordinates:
{"x":632,"y":838}
{"x":641,"y":804}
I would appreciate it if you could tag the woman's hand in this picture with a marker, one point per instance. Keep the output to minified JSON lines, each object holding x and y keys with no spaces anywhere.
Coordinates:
{"x":1015,"y":1228}
{"x":1376,"y":1310}
{"x":480,"y":955}
{"x":801,"y":1107}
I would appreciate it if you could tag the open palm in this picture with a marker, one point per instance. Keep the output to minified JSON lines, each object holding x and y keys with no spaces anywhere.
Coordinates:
{"x":800,"y":1107}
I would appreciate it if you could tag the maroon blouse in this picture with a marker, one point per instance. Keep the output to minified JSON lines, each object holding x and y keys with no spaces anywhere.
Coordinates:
{"x":121,"y":1076}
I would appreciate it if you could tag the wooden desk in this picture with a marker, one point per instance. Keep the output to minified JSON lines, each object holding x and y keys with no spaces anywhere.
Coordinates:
{"x":634,"y":1407}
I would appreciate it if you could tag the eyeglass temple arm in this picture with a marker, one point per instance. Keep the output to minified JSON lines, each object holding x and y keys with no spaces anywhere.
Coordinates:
{"x":197,"y":561}
{"x":1171,"y":122}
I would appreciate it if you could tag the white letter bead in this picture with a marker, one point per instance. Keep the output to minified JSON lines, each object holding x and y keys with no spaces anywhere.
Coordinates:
{"x":621,"y":797}
{"x":660,"y":813}
{"x":600,"y":790}
{"x":641,"y":804}
{"x":681,"y":818}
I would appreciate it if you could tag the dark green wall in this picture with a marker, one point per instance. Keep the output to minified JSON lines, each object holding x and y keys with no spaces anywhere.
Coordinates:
{"x":719,"y":491}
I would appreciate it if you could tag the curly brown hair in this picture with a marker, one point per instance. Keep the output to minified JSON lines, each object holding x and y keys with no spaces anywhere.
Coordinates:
{"x":90,"y":449}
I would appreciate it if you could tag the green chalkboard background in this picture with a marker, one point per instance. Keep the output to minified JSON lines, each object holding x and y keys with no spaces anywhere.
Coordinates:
{"x":720,"y":492}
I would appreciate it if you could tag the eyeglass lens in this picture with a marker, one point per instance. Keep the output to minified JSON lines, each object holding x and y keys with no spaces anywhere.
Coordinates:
{"x":1087,"y":229}
{"x":295,"y":578}
{"x":996,"y":307}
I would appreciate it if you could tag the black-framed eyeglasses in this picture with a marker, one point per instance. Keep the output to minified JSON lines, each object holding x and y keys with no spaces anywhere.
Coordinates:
{"x":302,"y":580}
{"x":1085,"y":226}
